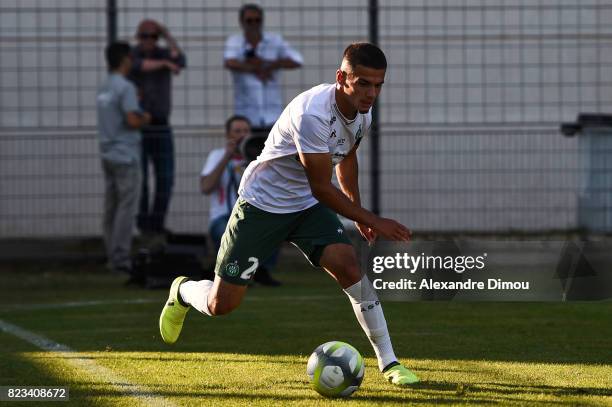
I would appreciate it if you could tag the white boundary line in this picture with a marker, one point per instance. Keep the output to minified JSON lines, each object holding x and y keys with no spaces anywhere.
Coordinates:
{"x":97,"y":372}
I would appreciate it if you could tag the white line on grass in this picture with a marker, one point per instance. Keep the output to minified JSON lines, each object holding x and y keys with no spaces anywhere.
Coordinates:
{"x":97,"y":372}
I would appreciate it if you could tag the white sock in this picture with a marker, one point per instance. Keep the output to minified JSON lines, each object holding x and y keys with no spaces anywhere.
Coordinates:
{"x":370,"y":315}
{"x":195,"y":293}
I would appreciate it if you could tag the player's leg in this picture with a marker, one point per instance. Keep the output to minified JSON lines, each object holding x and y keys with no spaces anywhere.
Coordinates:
{"x":251,"y":234}
{"x":322,"y":238}
{"x":224,"y":297}
{"x":211,"y":298}
{"x":340,"y":261}
{"x":250,"y":237}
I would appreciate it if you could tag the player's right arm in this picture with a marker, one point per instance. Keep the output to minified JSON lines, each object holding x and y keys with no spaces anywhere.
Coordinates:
{"x":318,"y":167}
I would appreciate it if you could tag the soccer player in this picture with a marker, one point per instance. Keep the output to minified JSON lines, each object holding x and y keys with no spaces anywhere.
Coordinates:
{"x":220,"y":179}
{"x":287,"y":194}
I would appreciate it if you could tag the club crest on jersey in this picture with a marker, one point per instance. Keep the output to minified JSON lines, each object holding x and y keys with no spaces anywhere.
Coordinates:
{"x":232,"y":269}
{"x":358,"y":134}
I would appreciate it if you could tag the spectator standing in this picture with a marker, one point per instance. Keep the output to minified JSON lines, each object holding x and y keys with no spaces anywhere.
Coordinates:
{"x":152,"y":71}
{"x":255,"y":59}
{"x":119,"y":118}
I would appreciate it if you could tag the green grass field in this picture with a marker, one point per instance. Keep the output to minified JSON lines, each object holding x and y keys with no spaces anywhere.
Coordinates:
{"x":465,"y":353}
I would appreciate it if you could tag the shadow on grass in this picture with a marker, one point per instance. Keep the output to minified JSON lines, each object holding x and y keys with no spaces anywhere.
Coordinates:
{"x":242,"y":397}
{"x":427,"y":392}
{"x":209,"y":357}
{"x":554,"y":390}
{"x":423,"y":393}
{"x":506,"y":332}
{"x":18,"y":370}
{"x":503,"y":390}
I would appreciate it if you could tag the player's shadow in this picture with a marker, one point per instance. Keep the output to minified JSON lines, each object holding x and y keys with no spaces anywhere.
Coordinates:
{"x":508,"y":388}
{"x":505,"y":392}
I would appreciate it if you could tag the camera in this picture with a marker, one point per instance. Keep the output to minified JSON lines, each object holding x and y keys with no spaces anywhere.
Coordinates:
{"x":250,"y":147}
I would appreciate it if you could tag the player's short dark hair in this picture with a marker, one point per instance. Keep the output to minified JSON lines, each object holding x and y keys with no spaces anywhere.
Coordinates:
{"x":250,"y":7}
{"x":235,"y":118}
{"x":365,"y":54}
{"x":115,"y":53}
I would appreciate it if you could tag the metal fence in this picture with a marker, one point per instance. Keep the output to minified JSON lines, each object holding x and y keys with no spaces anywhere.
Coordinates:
{"x":469,"y":114}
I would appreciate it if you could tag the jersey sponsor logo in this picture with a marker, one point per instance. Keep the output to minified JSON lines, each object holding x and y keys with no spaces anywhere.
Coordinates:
{"x":358,"y":136}
{"x":232,"y":269}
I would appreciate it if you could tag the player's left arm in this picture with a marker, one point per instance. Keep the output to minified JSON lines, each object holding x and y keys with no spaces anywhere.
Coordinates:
{"x":347,"y":172}
{"x":318,"y":168}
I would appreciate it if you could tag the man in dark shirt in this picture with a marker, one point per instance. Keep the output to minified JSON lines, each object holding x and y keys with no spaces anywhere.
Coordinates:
{"x":152,"y":71}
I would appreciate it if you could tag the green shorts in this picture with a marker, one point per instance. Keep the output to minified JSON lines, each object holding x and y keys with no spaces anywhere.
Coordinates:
{"x":252,"y":235}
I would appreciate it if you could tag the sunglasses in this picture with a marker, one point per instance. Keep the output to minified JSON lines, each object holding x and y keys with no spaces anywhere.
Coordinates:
{"x":145,"y":36}
{"x":252,"y":20}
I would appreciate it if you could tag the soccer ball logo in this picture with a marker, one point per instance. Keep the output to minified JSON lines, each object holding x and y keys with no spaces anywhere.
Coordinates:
{"x":335,"y":369}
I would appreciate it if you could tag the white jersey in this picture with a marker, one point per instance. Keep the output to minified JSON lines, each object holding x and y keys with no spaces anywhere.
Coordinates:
{"x":276,"y":182}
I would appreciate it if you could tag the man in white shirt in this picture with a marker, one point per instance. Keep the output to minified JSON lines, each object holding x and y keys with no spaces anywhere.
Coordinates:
{"x":255,"y":59}
{"x":220,"y":178}
{"x":287,"y":194}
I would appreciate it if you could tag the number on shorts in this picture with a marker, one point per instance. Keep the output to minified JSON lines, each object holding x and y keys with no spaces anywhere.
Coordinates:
{"x":246,"y":274}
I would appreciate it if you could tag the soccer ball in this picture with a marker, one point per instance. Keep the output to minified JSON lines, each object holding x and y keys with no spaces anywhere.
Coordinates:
{"x":335,"y":369}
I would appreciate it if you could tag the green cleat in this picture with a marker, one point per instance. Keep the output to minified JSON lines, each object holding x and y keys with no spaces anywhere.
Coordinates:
{"x":173,"y":314}
{"x":400,"y":376}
